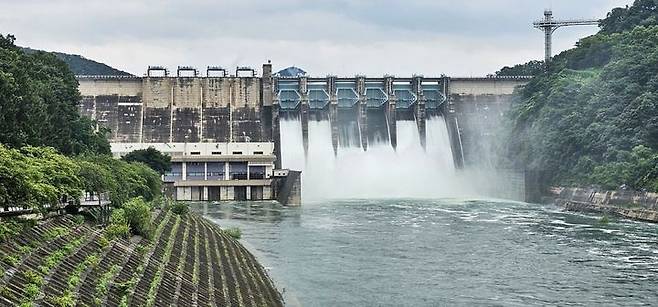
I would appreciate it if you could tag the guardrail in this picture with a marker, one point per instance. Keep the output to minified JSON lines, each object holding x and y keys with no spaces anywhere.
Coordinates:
{"x":11,"y":211}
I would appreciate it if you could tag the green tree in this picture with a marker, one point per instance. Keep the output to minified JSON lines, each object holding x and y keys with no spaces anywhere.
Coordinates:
{"x":34,"y":177}
{"x":96,"y":178}
{"x":38,"y":104}
{"x":531,"y":68}
{"x":152,"y":157}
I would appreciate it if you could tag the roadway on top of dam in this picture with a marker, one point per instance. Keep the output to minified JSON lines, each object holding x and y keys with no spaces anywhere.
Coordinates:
{"x":347,"y":92}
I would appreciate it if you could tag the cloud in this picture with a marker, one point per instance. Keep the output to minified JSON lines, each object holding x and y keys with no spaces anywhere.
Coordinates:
{"x":342,"y":37}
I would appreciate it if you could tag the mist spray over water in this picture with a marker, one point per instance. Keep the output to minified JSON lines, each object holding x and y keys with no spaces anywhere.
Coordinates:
{"x":379,"y":172}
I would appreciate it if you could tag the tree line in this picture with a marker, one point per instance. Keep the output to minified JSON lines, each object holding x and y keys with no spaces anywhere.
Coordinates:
{"x":35,"y":177}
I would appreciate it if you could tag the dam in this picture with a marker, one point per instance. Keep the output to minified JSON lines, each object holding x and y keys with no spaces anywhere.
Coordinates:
{"x":231,"y":133}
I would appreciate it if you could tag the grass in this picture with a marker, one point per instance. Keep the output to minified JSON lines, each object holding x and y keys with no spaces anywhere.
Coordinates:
{"x":10,"y":260}
{"x":68,"y":298}
{"x":101,"y":287}
{"x":234,"y":232}
{"x":55,"y":232}
{"x":129,"y":286}
{"x":150,"y":301}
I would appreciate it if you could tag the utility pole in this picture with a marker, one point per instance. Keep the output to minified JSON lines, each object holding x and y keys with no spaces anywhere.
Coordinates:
{"x":549,"y":25}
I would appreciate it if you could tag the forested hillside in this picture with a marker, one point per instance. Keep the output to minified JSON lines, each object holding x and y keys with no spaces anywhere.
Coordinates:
{"x":80,"y":65}
{"x":592,"y":116}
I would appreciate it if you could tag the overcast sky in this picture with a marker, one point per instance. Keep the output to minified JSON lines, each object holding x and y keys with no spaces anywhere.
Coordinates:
{"x":342,"y":37}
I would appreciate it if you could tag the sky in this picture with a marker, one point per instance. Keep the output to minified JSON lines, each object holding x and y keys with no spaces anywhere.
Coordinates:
{"x":338,"y":37}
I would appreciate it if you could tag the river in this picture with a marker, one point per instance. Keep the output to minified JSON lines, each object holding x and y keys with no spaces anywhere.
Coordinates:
{"x":414,"y":252}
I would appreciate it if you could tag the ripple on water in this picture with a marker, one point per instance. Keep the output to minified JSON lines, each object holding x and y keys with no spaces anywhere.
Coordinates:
{"x":450,"y":252}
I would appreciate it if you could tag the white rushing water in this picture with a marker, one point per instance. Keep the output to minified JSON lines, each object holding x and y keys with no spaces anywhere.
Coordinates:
{"x":379,"y":172}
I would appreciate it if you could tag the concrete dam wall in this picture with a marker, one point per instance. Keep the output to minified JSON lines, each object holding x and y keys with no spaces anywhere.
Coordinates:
{"x":360,"y":110}
{"x":175,"y":109}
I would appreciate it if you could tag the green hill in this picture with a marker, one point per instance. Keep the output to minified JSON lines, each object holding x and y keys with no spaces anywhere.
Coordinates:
{"x":80,"y":65}
{"x":592,"y":116}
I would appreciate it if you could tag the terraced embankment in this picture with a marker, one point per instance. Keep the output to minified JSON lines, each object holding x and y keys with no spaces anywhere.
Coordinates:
{"x":189,"y":262}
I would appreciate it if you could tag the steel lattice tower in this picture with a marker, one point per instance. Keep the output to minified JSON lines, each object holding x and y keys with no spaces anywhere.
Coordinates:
{"x":549,"y":25}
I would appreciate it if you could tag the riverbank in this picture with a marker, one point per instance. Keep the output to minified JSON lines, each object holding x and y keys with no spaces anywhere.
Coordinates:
{"x":641,"y":206}
{"x":189,"y":261}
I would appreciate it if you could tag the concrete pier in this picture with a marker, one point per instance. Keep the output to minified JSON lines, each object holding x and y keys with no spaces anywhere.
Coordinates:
{"x":333,"y":121}
{"x":362,"y":114}
{"x":421,"y":121}
{"x":276,"y":134}
{"x":304,"y":117}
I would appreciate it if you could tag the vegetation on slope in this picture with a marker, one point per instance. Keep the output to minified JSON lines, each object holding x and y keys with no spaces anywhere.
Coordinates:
{"x":592,"y":116}
{"x":188,"y":261}
{"x":39,"y":177}
{"x":80,"y":65}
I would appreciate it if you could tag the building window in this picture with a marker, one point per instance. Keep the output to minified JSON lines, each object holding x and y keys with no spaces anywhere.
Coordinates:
{"x":257,"y":172}
{"x":195,"y":153}
{"x":216,"y":152}
{"x":237,"y":152}
{"x":195,"y":174}
{"x":258,"y":152}
{"x":238,"y":170}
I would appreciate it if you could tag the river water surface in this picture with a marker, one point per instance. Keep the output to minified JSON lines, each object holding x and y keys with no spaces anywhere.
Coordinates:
{"x":409,"y":252}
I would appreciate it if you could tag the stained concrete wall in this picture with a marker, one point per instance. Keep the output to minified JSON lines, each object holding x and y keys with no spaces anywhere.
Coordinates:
{"x":175,"y":109}
{"x":484,"y":86}
{"x":479,"y":106}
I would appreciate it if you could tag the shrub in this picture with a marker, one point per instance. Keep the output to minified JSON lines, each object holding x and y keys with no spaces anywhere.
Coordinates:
{"x":79,"y":219}
{"x":103,"y":241}
{"x":138,"y":215}
{"x":234,"y":232}
{"x":25,"y":249}
{"x":118,"y":227}
{"x":117,"y":231}
{"x":66,"y":300}
{"x":31,"y":290}
{"x":55,"y":233}
{"x":180,"y":208}
{"x":33,"y":277}
{"x":10,"y":259}
{"x":118,"y":216}
{"x":8,"y":229}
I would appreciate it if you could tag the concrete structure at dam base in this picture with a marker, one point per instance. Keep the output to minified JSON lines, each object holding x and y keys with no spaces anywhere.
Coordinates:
{"x":222,"y":172}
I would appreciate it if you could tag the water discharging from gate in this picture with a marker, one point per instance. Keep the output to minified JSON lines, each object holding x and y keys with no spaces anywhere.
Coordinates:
{"x":379,"y":172}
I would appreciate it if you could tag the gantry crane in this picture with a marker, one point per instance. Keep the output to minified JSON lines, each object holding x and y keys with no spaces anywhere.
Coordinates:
{"x":549,"y":25}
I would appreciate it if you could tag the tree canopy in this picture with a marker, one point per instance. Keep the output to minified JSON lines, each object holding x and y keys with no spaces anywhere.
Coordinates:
{"x":531,"y":68}
{"x":38,"y":104}
{"x":32,"y":177}
{"x":152,"y":157}
{"x":592,"y":117}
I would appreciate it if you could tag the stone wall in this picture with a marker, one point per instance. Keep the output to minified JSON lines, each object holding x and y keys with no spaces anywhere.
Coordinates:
{"x":626,"y":203}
